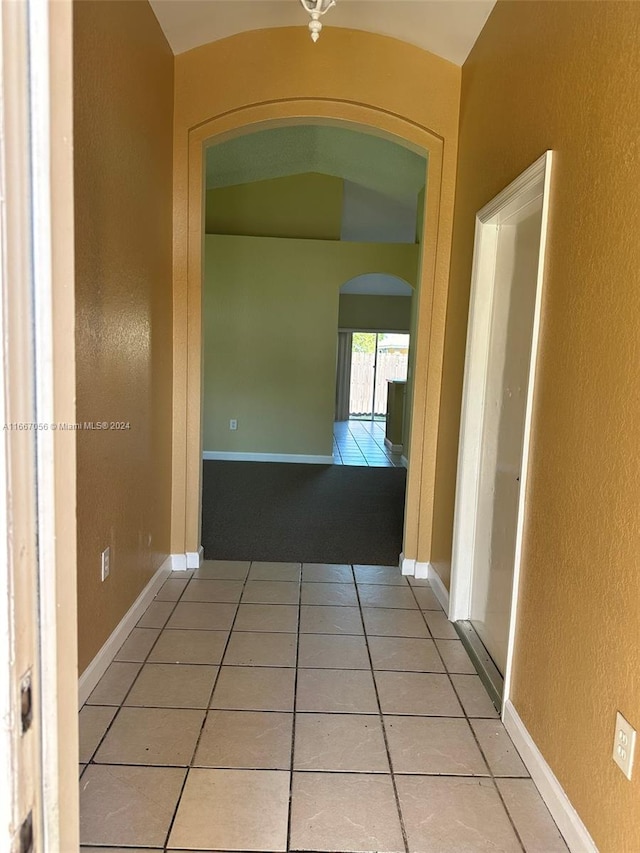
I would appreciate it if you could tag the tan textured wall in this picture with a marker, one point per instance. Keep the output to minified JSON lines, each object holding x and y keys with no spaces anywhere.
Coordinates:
{"x":349,"y":76}
{"x":566,"y":76}
{"x":301,"y":206}
{"x":123,"y":111}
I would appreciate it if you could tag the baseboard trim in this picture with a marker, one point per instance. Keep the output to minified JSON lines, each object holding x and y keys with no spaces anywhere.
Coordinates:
{"x":404,"y":461}
{"x":394,"y":448}
{"x":178,"y":562}
{"x":422,"y":570}
{"x":98,"y":666}
{"x":566,"y":817}
{"x":439,"y":589}
{"x":233,"y":456}
{"x":194,"y":558}
{"x":407,"y":565}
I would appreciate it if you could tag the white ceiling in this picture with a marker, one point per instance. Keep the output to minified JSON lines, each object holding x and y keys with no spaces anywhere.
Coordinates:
{"x":447,"y":28}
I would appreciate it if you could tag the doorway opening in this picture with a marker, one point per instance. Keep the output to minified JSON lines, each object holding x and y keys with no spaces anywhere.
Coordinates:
{"x":291,"y":214}
{"x":377,"y":358}
{"x":504,"y":324}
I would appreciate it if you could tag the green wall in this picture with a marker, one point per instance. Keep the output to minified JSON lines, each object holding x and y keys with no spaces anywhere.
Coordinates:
{"x":375,"y":313}
{"x":270,"y":331}
{"x":298,"y":206}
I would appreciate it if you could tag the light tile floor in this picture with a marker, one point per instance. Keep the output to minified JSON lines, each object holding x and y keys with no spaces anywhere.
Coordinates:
{"x":279,"y":707}
{"x":362,"y":443}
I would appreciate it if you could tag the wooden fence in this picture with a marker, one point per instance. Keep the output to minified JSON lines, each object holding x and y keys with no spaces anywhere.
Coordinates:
{"x":391,"y":365}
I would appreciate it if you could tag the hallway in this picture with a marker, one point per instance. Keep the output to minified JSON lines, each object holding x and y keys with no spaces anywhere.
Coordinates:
{"x":279,"y":707}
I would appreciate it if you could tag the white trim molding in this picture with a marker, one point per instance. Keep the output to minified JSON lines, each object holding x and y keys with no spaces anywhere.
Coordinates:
{"x":194,"y":558}
{"x":394,"y":448}
{"x":404,"y":461}
{"x":532,"y":187}
{"x":407,"y":566}
{"x":98,"y":666}
{"x":241,"y":456}
{"x":566,"y":817}
{"x":178,"y":562}
{"x":439,"y":589}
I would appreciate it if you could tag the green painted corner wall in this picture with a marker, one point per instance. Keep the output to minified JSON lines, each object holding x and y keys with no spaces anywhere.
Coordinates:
{"x":375,"y":313}
{"x":271,"y":310}
{"x":299,"y":206}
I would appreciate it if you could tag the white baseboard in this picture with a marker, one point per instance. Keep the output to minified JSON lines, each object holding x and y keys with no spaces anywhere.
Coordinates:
{"x":566,"y":817}
{"x":233,"y":456}
{"x":178,"y":562}
{"x":394,"y":448}
{"x":407,"y":565}
{"x":439,"y":589}
{"x":404,"y":461}
{"x":194,"y":558}
{"x":422,"y":570}
{"x":98,"y":666}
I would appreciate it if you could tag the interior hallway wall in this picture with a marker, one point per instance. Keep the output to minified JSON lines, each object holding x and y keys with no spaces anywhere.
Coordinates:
{"x":566,"y":76}
{"x":123,"y":113}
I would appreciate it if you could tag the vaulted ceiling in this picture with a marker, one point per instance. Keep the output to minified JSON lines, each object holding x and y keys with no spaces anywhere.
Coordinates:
{"x":447,"y":28}
{"x":378,"y":164}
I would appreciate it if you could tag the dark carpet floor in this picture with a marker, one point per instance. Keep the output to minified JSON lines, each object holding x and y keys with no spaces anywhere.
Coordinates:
{"x":305,"y":513}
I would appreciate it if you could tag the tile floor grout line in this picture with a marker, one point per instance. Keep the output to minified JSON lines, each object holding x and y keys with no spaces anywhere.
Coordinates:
{"x":473,"y":734}
{"x":206,"y":712}
{"x":271,"y":711}
{"x":324,"y":770}
{"x":293,"y":714}
{"x":396,"y":795}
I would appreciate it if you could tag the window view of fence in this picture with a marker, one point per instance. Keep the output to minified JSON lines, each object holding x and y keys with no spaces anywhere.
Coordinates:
{"x":375,"y":359}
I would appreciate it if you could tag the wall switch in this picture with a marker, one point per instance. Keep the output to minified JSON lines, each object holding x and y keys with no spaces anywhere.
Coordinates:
{"x":233,"y":424}
{"x":106,"y":560}
{"x":624,"y":744}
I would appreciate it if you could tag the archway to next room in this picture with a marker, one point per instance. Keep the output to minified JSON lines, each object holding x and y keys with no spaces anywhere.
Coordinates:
{"x":429,"y":340}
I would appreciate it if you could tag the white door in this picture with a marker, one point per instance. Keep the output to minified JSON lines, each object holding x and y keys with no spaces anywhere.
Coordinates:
{"x":503,"y":428}
{"x":504,"y":320}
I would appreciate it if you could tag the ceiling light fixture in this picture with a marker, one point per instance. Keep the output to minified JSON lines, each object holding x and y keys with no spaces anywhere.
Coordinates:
{"x":316,"y":8}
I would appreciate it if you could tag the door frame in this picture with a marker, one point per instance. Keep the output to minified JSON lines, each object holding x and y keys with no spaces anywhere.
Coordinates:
{"x":189,"y":169}
{"x":38,"y":469}
{"x":532,"y":184}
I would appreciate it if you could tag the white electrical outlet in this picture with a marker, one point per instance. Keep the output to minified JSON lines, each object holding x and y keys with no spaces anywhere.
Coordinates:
{"x":233,"y":424}
{"x":106,"y":560}
{"x":624,"y":744}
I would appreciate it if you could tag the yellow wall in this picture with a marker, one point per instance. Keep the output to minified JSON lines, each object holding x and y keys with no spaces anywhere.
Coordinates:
{"x":308,"y":205}
{"x":123,"y":91}
{"x":349,"y":76}
{"x":566,"y":76}
{"x":270,"y":337}
{"x":375,"y":313}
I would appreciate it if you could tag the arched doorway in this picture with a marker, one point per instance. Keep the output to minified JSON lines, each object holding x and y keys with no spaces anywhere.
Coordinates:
{"x":188,"y":310}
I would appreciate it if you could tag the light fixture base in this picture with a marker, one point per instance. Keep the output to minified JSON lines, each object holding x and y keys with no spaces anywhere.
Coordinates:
{"x":316,"y":8}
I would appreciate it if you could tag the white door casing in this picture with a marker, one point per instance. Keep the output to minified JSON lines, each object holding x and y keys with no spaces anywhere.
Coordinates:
{"x":518,"y":199}
{"x":38,"y":742}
